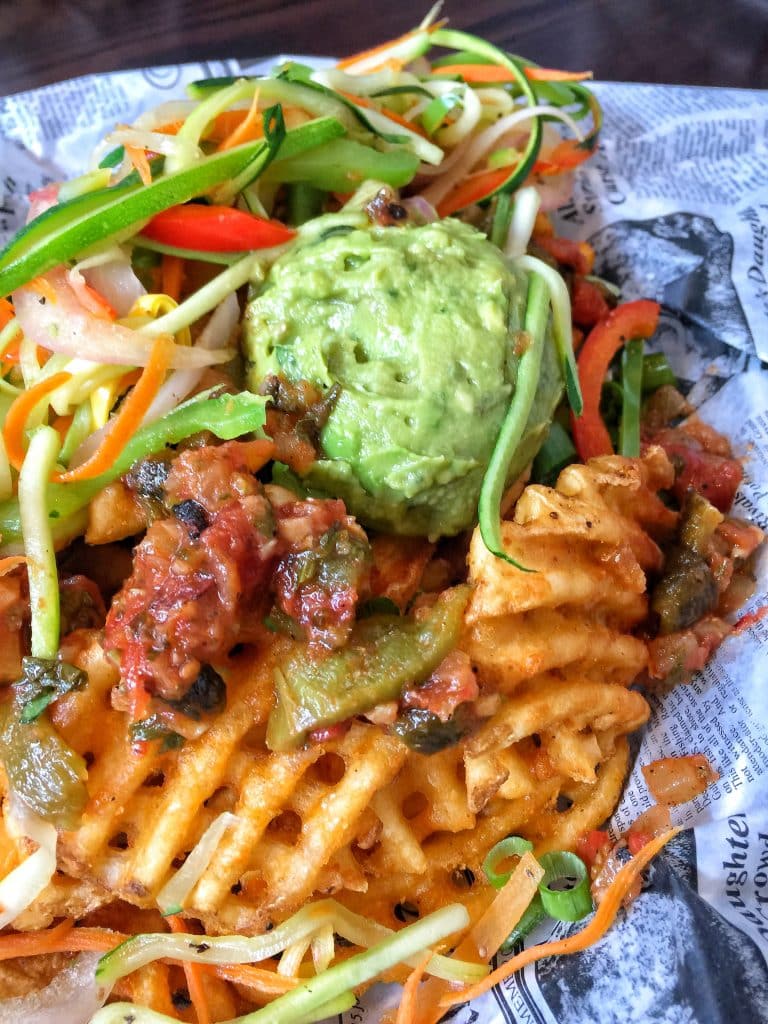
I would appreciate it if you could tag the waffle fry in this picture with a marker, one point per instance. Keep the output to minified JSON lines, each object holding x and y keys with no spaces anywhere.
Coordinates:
{"x":390,"y":832}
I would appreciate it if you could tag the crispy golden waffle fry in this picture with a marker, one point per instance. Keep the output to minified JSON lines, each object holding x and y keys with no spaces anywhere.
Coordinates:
{"x":390,"y":831}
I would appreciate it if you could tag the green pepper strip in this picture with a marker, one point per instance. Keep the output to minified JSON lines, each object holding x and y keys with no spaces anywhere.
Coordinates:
{"x":495,"y":479}
{"x":69,"y":228}
{"x":385,"y":654}
{"x":464,"y":41}
{"x":226,"y":416}
{"x":657,"y":372}
{"x":342,"y":165}
{"x":631,"y":395}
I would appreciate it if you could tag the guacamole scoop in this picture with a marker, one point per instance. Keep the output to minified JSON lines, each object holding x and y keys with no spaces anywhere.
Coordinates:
{"x":420,"y":327}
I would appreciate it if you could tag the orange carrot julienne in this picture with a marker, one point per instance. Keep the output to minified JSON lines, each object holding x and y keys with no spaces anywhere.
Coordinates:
{"x":249,"y":128}
{"x":194,"y":977}
{"x":21,"y":410}
{"x":348,"y":62}
{"x":138,"y":158}
{"x":6,"y":313}
{"x":553,"y":75}
{"x":597,"y":927}
{"x":407,"y":1010}
{"x":486,"y":73}
{"x":478,"y":187}
{"x":63,"y":938}
{"x":172,"y":276}
{"x":128,"y":419}
{"x":268,"y":983}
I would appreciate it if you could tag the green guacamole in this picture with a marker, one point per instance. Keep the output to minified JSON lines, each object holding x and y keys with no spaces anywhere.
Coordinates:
{"x":418,"y":325}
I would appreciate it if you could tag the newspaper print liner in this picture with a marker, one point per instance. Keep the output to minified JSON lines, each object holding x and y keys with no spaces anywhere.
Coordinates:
{"x":675,"y":204}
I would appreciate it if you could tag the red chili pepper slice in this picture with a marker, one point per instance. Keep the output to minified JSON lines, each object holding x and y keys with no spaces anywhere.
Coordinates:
{"x":215,"y":229}
{"x":630,"y":320}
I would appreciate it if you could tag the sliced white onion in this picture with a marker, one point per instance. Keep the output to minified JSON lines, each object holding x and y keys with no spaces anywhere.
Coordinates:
{"x":525,"y":207}
{"x":71,"y":998}
{"x":485,"y":141}
{"x":420,"y":206}
{"x":171,"y":897}
{"x":165,"y":113}
{"x":65,"y":326}
{"x":117,"y":282}
{"x":153,"y":142}
{"x":23,"y":885}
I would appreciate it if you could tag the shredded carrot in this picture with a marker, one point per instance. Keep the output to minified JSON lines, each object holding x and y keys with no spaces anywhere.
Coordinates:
{"x":553,"y":75}
{"x":43,"y":287}
{"x":61,"y":425}
{"x":348,"y":62}
{"x":6,"y":313}
{"x":249,"y":128}
{"x":597,"y":927}
{"x":21,"y":410}
{"x":472,"y":190}
{"x":172,"y":276}
{"x":63,"y":938}
{"x":128,"y":419}
{"x":482,"y":73}
{"x":267,"y":983}
{"x":564,"y":157}
{"x":172,"y":128}
{"x":366,"y":104}
{"x":194,"y":977}
{"x":407,"y":1010}
{"x":138,"y":158}
{"x":11,"y":562}
{"x":95,"y":302}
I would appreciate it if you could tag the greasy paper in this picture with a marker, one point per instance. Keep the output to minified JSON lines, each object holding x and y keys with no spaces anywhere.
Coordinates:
{"x":675,"y":204}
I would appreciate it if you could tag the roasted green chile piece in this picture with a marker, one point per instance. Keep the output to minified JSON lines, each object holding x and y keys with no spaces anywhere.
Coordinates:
{"x":42,"y":769}
{"x":385,"y":654}
{"x":686,"y":591}
{"x":427,"y":733}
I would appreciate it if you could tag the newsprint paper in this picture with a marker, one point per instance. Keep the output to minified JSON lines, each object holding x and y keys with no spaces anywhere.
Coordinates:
{"x":676,"y":205}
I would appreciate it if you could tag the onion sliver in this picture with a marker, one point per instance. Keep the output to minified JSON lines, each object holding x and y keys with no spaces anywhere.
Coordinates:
{"x":65,"y":326}
{"x":71,"y":998}
{"x":676,"y":780}
{"x":24,"y":884}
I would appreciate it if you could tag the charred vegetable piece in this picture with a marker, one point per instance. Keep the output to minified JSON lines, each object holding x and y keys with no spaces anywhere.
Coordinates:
{"x":385,"y":654}
{"x":42,"y":770}
{"x":686,"y":591}
{"x":700,"y":520}
{"x":426,"y":733}
{"x":207,"y":693}
{"x":154,"y":728}
{"x":43,"y":681}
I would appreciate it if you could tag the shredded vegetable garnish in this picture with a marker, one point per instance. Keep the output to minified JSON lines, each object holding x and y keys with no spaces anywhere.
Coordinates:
{"x":588,"y":936}
{"x":171,"y":897}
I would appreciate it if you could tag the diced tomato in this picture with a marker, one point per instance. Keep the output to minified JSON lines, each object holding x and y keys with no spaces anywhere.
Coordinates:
{"x":588,"y":303}
{"x":591,"y":844}
{"x":716,"y":477}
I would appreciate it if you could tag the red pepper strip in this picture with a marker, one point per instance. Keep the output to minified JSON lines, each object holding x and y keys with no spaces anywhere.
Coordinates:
{"x":630,"y":320}
{"x":494,"y":73}
{"x":478,"y":187}
{"x":215,"y":229}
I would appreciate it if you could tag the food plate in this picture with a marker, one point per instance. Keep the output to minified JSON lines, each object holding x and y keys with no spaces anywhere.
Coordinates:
{"x":676,"y":206}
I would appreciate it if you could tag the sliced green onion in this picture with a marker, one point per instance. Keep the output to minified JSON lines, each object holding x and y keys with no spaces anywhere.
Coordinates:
{"x":564,"y":889}
{"x":657,"y":372}
{"x":495,"y":479}
{"x":631,"y":395}
{"x":437,"y":110}
{"x":557,"y":452}
{"x":513,"y":846}
{"x":39,"y":463}
{"x":562,"y":329}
